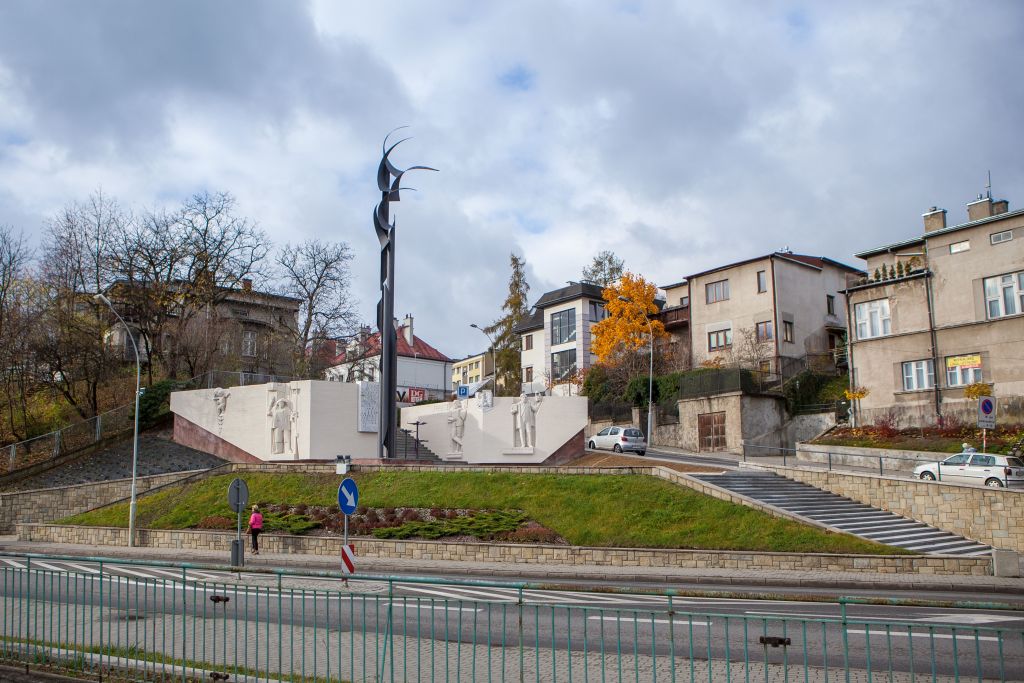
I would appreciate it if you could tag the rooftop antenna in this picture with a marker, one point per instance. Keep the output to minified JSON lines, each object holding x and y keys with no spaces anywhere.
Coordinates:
{"x":988,"y":188}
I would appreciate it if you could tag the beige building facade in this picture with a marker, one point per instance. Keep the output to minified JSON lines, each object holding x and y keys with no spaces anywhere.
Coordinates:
{"x":472,"y":369}
{"x":939,"y":312}
{"x":782,"y":305}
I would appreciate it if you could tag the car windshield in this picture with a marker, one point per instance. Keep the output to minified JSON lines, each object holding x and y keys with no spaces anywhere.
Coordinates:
{"x":1014,"y":462}
{"x":634,"y":432}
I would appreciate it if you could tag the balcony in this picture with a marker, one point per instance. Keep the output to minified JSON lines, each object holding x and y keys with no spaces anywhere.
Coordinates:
{"x":674,"y":317}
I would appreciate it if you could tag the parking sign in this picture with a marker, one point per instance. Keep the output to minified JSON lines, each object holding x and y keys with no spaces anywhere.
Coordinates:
{"x":986,"y":413}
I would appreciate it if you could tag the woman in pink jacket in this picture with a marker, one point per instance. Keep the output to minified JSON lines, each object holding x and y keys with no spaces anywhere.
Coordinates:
{"x":255,"y":527}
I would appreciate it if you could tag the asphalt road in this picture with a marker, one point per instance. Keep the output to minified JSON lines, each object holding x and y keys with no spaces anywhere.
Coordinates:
{"x":633,"y":627}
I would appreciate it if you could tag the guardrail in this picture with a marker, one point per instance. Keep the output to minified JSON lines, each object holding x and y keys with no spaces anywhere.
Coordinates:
{"x":167,"y":621}
{"x":833,"y":460}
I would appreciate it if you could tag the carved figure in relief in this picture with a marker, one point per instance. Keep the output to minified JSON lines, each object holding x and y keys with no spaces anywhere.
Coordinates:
{"x":220,"y":400}
{"x":280,"y":415}
{"x":456,"y":425}
{"x":524,"y":412}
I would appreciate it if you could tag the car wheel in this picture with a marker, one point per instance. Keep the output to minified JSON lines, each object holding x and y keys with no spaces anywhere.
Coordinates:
{"x":591,"y":446}
{"x":616,"y":448}
{"x":928,"y":476}
{"x":994,"y":483}
{"x":641,"y":453}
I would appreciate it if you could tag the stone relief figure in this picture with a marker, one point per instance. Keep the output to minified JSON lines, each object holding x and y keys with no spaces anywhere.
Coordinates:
{"x":294,"y":418}
{"x":456,"y":425}
{"x":524,"y":412}
{"x":220,"y":400}
{"x":280,"y":415}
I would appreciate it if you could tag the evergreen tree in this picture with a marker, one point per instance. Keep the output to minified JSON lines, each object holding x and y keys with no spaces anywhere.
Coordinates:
{"x":605,"y":269}
{"x":507,"y":343}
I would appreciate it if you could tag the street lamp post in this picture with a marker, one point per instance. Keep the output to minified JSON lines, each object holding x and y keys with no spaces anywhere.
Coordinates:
{"x":650,"y":375}
{"x":494,"y":358}
{"x":135,"y":436}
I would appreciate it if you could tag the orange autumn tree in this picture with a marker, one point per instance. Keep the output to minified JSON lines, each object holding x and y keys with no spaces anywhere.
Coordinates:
{"x":626,"y":328}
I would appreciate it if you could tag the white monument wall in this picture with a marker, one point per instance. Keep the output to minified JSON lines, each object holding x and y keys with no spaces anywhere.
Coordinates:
{"x":489,"y":434}
{"x":321,"y":418}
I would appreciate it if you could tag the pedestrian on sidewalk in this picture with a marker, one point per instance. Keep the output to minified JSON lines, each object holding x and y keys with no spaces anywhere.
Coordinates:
{"x":255,"y":527}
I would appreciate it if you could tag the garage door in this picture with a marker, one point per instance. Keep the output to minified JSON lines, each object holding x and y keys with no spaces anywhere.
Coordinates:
{"x":711,"y":431}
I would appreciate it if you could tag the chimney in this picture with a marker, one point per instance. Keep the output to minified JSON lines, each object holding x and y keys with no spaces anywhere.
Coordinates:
{"x":980,"y":208}
{"x":1000,"y":206}
{"x":246,"y":284}
{"x":407,"y":329}
{"x":934,"y":219}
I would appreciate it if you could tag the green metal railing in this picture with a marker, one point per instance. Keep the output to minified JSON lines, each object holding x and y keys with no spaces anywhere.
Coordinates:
{"x":165,"y":621}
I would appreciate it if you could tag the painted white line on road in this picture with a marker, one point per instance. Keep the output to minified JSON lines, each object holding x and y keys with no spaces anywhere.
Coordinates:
{"x":16,"y":565}
{"x":677,"y":622}
{"x":133,"y":572}
{"x":418,"y":606}
{"x":83,"y":568}
{"x":920,"y":634}
{"x":491,"y":595}
{"x":617,"y":599}
{"x":795,"y":615}
{"x":975,"y":619}
{"x":443,"y":594}
{"x":50,"y":567}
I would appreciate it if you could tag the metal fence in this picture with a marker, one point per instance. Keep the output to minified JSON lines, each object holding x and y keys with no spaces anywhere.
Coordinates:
{"x":871,"y":463}
{"x":610,"y":410}
{"x":160,"y":621}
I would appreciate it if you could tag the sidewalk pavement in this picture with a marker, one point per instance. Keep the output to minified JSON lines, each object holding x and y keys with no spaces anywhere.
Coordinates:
{"x":827,"y":583}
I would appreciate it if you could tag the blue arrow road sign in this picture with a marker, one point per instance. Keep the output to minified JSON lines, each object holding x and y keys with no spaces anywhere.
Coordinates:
{"x":348,"y":496}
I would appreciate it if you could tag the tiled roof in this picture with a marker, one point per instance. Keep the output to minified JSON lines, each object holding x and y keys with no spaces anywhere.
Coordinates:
{"x":419,"y":349}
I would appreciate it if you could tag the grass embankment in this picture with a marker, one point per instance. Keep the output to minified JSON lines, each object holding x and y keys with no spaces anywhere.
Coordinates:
{"x":609,"y":511}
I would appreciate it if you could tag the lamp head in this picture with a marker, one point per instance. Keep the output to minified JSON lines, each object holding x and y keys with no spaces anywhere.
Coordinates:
{"x":474,"y":325}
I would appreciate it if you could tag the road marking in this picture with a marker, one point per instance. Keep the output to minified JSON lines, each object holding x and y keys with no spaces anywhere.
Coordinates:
{"x":919,"y":634}
{"x":618,"y":599}
{"x":975,"y":619}
{"x":678,"y":622}
{"x":131,"y":571}
{"x":492,"y":595}
{"x":794,"y":615}
{"x":446,"y":608}
{"x":52,"y":568}
{"x":447,"y":596}
{"x":16,"y":565}
{"x":88,"y":570}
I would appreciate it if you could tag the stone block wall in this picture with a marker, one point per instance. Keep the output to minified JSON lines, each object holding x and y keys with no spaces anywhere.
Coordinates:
{"x":521,"y":554}
{"x":46,"y":505}
{"x":991,"y":516}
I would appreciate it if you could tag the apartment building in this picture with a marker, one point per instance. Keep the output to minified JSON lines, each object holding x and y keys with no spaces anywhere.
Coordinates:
{"x":753,"y":312}
{"x":472,"y":368}
{"x":940,"y":311}
{"x":556,"y":337}
{"x":424,"y":373}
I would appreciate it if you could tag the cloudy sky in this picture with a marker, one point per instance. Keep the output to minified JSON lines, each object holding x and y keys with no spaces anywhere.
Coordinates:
{"x":678,"y":135}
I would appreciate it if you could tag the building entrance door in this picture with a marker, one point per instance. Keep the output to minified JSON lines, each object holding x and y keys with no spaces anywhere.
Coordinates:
{"x":711,"y":431}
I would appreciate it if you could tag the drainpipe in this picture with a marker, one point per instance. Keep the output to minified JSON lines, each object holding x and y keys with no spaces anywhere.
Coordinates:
{"x":934,"y":337}
{"x":849,"y":355}
{"x":775,"y":315}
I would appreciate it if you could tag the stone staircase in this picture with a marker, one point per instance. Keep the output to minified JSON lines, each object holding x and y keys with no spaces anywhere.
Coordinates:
{"x":845,"y":514}
{"x":405,"y":449}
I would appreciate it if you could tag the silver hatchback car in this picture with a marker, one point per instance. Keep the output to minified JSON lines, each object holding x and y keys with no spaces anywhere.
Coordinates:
{"x":971,"y":467}
{"x":619,"y":439}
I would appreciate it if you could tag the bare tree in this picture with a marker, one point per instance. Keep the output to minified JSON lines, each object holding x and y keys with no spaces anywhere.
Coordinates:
{"x":16,"y":321}
{"x":317,"y":273}
{"x":605,"y":269}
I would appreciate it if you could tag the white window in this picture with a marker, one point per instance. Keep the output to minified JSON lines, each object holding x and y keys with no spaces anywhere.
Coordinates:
{"x":957,"y":247}
{"x":963,"y":369}
{"x":830,"y":304}
{"x":872,"y":318}
{"x":918,"y":375}
{"x":762,"y":281}
{"x":1004,"y":295}
{"x":249,"y":343}
{"x":1000,"y":237}
{"x":787,"y":330}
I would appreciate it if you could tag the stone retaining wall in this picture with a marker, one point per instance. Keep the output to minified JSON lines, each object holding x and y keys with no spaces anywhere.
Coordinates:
{"x":991,"y":516}
{"x":515,"y":553}
{"x":46,"y":505}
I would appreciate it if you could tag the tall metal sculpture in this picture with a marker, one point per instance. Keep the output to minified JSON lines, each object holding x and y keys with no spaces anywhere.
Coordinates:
{"x":389,"y":180}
